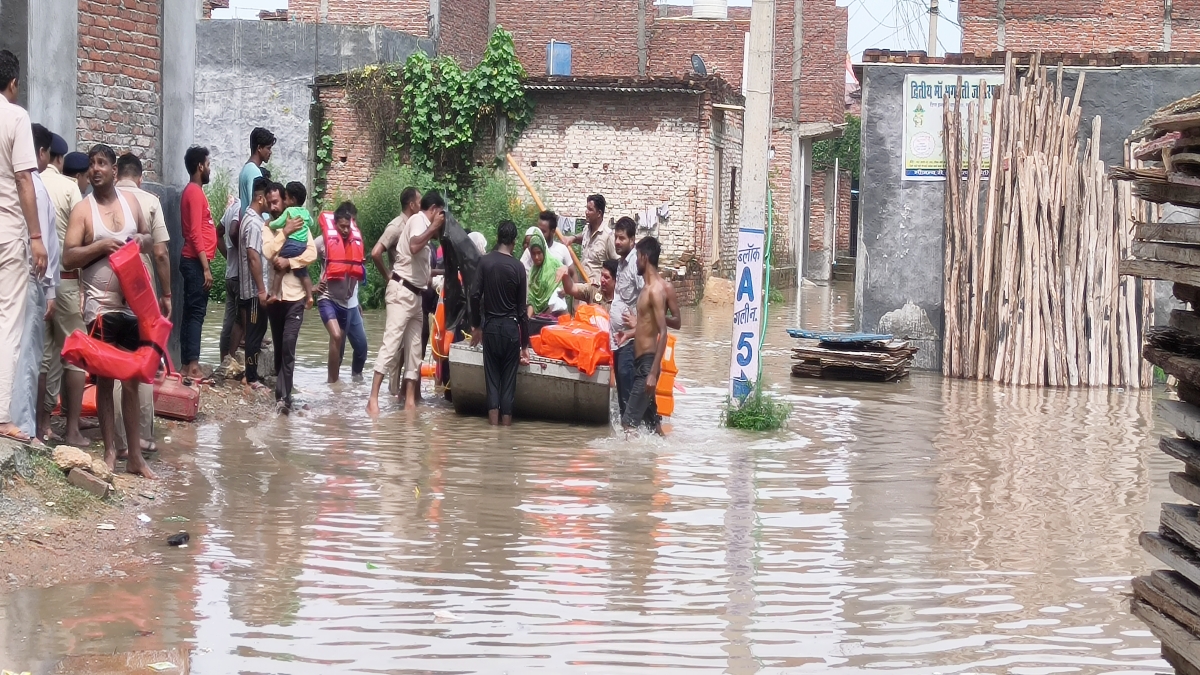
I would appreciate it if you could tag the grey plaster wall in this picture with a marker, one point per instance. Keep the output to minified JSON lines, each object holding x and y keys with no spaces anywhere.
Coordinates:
{"x":43,"y":34}
{"x":169,"y":195}
{"x":259,"y":73}
{"x":179,"y":87}
{"x":901,"y":224}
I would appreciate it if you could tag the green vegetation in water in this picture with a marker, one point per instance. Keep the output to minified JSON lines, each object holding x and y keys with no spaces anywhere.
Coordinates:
{"x":760,"y":411}
{"x":775,"y":296}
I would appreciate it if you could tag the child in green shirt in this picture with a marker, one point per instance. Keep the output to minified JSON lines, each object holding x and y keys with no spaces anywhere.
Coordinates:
{"x":294,"y":197}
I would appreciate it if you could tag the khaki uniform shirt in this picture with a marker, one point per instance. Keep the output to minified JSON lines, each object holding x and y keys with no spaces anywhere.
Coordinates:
{"x":597,"y":248}
{"x":16,"y":155}
{"x":64,"y":192}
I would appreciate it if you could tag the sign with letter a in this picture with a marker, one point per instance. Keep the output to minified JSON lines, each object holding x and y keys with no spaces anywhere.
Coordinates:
{"x":747,"y":312}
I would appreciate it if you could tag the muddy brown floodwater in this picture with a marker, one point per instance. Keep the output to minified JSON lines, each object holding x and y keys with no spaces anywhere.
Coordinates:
{"x":927,"y":526}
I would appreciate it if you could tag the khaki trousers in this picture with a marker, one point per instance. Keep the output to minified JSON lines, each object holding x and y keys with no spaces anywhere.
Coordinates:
{"x":14,"y":283}
{"x":68,"y":318}
{"x":402,"y":331}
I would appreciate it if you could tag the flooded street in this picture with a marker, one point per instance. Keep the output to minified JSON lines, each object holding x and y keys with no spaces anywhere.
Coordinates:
{"x":927,"y":526}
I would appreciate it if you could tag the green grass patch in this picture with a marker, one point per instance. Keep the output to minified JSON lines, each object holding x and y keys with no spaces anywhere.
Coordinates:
{"x":50,"y":482}
{"x":760,"y":411}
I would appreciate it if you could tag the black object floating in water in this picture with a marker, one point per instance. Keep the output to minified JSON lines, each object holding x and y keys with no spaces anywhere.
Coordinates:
{"x":179,"y":539}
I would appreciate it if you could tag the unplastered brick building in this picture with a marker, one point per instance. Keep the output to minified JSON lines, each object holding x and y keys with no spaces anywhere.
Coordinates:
{"x":637,"y":38}
{"x":665,"y":150}
{"x":1080,"y":25}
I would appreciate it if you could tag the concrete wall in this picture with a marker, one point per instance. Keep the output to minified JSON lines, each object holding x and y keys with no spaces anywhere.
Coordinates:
{"x":259,"y":73}
{"x":900,"y":251}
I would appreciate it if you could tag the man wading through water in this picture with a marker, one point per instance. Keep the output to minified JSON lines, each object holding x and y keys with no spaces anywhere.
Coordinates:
{"x":649,"y":341}
{"x":341,"y":246}
{"x":498,"y":319}
{"x":406,"y":241}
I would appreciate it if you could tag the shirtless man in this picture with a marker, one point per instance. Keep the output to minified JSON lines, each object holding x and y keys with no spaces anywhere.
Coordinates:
{"x":649,"y":340}
{"x":99,"y":226}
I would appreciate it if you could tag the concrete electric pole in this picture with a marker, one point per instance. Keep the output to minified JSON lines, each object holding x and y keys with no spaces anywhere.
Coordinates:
{"x":752,"y":215}
{"x":933,"y":22}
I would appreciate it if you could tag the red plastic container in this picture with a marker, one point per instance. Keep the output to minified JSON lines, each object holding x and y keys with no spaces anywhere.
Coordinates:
{"x":175,"y":400}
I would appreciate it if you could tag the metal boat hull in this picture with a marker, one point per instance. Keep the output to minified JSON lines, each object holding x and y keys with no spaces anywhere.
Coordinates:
{"x":546,"y":389}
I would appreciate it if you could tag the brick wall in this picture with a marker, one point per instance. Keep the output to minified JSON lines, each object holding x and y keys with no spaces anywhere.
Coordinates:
{"x":209,"y":5}
{"x":719,"y":43}
{"x":463,"y":30}
{"x":603,"y":36}
{"x":119,"y":84}
{"x":843,"y":215}
{"x":638,"y":150}
{"x":355,"y":155}
{"x":1077,"y":25}
{"x":675,"y":36}
{"x":409,"y":16}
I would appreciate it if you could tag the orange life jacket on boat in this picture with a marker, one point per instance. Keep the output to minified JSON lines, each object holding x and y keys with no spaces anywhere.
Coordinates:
{"x":344,"y":258}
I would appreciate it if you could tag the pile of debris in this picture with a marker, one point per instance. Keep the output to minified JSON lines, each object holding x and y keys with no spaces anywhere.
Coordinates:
{"x":1169,"y":600}
{"x":1163,"y":166}
{"x":851,"y":356}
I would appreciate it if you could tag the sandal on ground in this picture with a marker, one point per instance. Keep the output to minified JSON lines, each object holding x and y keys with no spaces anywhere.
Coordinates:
{"x":13,"y":433}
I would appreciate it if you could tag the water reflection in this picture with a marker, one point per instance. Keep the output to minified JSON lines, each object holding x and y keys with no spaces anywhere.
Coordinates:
{"x":922,"y":526}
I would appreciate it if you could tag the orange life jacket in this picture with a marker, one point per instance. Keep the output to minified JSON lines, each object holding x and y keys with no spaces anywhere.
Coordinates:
{"x":343,"y":259}
{"x":104,"y":360}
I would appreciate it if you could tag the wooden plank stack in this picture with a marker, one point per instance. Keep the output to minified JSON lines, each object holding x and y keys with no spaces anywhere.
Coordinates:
{"x":1032,"y":294}
{"x":847,"y":356}
{"x":1159,"y":169}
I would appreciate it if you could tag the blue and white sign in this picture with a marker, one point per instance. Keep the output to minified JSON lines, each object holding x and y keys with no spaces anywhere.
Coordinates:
{"x":747,"y":312}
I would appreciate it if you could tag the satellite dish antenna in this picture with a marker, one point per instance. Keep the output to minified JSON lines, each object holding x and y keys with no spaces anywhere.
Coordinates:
{"x":698,"y":66}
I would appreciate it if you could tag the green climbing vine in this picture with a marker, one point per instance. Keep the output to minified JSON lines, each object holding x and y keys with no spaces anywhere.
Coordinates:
{"x":846,"y":149}
{"x":432,"y":113}
{"x":323,"y":156}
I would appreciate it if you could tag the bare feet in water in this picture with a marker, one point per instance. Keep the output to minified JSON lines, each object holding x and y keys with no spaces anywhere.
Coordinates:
{"x":373,"y":406}
{"x":137,"y":465}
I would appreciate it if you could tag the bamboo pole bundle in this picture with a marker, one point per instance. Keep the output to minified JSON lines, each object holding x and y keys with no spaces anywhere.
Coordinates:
{"x":1032,"y":293}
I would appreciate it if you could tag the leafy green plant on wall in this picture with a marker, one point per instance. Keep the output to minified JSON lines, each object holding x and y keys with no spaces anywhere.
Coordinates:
{"x":324,"y":159}
{"x":846,"y":149}
{"x":430,"y":112}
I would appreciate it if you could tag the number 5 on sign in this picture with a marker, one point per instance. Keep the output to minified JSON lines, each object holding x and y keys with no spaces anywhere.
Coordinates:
{"x":747,"y":313}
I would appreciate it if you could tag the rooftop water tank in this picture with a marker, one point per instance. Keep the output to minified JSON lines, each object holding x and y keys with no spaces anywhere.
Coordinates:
{"x":710,"y":9}
{"x":558,"y":58}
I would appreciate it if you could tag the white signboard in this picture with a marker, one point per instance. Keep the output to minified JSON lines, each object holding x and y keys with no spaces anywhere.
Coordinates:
{"x":747,"y":312}
{"x":923,"y":109}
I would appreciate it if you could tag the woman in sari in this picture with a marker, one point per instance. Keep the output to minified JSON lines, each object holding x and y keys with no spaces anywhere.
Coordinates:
{"x":549,"y":283}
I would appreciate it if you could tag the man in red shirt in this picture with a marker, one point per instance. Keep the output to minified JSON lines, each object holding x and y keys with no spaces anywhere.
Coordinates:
{"x":199,"y":247}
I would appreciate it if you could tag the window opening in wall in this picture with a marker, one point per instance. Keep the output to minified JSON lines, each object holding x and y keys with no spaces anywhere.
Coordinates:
{"x":574,"y":165}
{"x":533,"y":163}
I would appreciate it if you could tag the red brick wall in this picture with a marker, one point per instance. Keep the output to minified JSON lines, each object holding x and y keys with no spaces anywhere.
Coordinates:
{"x":676,"y":36}
{"x":409,"y":16}
{"x":719,"y":43}
{"x":463,"y":30}
{"x":119,"y":85}
{"x":843,"y":214}
{"x":1075,"y":26}
{"x":355,"y":155}
{"x":603,"y":36}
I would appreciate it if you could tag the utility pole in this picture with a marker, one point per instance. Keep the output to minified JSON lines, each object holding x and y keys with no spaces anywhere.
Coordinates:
{"x":748,"y":301}
{"x":933,"y":22}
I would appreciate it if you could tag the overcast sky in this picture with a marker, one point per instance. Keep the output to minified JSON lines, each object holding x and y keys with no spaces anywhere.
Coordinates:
{"x":887,"y":24}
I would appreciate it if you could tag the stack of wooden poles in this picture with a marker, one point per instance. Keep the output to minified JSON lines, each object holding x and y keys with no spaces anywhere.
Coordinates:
{"x":1032,"y":295}
{"x":1163,"y":168}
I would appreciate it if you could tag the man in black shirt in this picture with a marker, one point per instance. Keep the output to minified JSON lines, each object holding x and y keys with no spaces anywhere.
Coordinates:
{"x":498,"y":319}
